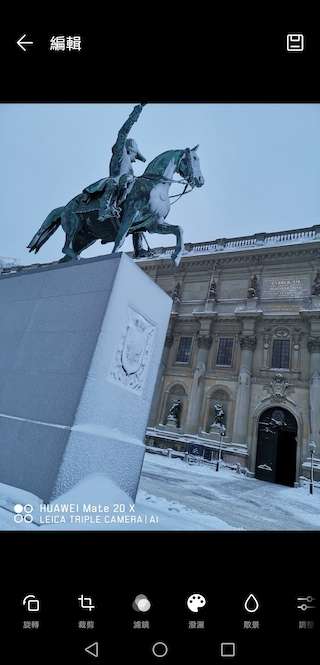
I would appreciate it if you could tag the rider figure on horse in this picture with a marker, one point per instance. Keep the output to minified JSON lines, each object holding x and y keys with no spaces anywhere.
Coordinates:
{"x":117,"y":186}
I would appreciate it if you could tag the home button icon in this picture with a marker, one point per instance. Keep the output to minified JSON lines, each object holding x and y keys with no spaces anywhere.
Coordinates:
{"x":159,"y":649}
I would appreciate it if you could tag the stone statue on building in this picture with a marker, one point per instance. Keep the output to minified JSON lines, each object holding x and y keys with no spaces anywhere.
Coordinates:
{"x":316,"y":285}
{"x":218,"y":424}
{"x":176,"y":293}
{"x":174,"y":414}
{"x":219,"y":414}
{"x":253,"y":288}
{"x":212,"y":295}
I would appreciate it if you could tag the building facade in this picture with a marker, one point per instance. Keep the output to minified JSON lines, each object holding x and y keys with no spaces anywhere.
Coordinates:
{"x":241,"y":366}
{"x":6,"y":263}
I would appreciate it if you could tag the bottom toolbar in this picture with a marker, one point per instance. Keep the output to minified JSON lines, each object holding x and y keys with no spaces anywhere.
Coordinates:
{"x":151,"y":625}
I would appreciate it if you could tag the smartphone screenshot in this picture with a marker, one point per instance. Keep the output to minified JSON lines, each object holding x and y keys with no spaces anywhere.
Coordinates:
{"x":160,"y":347}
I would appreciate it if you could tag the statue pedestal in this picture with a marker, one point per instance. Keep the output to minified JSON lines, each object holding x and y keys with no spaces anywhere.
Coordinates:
{"x":80,"y":346}
{"x":316,"y":302}
{"x":172,"y":423}
{"x":215,"y":429}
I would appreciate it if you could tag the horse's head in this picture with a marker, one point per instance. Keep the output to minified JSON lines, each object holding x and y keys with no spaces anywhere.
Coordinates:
{"x":189,"y":167}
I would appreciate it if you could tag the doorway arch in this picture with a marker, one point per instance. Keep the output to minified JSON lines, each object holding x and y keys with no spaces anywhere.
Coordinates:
{"x":277,"y":446}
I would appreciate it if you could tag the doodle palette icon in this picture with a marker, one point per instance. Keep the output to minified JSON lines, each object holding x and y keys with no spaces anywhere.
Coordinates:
{"x":196,"y":602}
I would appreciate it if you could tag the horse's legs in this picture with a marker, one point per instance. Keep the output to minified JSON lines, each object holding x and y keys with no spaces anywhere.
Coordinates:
{"x":160,"y":226}
{"x":70,"y":223}
{"x":139,"y":252}
{"x":83,"y":240}
{"x":123,"y":229}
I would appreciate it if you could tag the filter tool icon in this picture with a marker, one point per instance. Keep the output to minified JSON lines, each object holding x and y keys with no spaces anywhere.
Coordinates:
{"x":141,"y":603}
{"x":251,"y":604}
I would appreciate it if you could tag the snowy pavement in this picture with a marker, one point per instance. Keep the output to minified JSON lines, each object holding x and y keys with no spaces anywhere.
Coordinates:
{"x":238,"y":501}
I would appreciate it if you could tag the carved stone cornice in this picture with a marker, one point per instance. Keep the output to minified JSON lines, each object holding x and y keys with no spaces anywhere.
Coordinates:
{"x":240,"y":258}
{"x":248,"y":342}
{"x":314,"y":344}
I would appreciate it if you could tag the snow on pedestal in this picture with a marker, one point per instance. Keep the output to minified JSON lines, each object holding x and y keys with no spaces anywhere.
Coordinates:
{"x":81,"y":343}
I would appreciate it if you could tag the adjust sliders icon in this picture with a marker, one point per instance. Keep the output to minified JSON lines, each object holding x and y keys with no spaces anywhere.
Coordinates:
{"x":305,"y":603}
{"x":22,"y":42}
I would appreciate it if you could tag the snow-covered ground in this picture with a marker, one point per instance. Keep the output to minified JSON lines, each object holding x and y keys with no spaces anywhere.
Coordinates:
{"x":240,"y":502}
{"x":173,"y":495}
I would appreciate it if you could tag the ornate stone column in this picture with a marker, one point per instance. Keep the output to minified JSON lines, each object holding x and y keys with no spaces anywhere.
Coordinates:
{"x":240,"y":426}
{"x":153,"y":417}
{"x":296,"y":347}
{"x":204,"y":342}
{"x":266,"y":347}
{"x":314,"y":390}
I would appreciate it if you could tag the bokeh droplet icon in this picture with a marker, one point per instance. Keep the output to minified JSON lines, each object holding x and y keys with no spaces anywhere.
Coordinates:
{"x":251,"y":604}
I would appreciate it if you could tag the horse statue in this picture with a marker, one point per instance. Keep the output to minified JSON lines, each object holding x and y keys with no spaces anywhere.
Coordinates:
{"x":144,"y":209}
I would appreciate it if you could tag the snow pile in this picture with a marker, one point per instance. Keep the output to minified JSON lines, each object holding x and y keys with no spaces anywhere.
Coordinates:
{"x":176,"y":517}
{"x":76,"y":510}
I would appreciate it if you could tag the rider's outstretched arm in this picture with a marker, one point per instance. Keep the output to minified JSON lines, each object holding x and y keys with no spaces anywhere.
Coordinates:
{"x":125,"y":129}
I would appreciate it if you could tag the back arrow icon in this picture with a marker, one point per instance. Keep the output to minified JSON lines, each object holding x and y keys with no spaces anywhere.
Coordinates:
{"x":22,"y":43}
{"x":93,"y":649}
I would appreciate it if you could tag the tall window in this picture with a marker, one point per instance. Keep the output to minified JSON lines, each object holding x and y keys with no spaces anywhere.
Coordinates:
{"x":184,"y":350}
{"x":225,"y":348}
{"x":281,"y":354}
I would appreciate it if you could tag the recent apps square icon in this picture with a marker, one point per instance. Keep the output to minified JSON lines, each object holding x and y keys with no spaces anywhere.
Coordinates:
{"x":227,"y":649}
{"x":295,"y":42}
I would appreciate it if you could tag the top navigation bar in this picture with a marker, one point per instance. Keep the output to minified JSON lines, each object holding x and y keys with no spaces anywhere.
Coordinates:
{"x":213,"y":63}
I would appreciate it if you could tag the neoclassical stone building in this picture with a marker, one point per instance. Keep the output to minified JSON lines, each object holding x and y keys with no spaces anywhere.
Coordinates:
{"x":244,"y":340}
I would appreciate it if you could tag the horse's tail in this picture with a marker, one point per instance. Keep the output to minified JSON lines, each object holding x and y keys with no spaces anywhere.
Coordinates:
{"x":47,"y":229}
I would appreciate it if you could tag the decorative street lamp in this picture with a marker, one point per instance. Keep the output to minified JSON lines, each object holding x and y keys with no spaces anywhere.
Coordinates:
{"x":312,"y":448}
{"x":222,"y":433}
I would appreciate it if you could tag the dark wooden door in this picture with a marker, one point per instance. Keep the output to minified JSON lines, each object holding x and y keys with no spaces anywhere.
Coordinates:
{"x":276,"y":447}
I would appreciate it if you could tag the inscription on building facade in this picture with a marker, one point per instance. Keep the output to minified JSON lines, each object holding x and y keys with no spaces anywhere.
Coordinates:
{"x":285,"y":287}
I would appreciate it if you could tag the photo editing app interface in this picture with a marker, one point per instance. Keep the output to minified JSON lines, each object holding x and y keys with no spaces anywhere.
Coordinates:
{"x":160,"y":365}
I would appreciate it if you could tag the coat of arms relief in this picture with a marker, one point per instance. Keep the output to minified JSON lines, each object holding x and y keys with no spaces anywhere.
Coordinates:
{"x":132,"y":357}
{"x":278,"y":388}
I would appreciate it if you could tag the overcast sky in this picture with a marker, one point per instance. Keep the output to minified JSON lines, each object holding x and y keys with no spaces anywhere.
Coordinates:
{"x":261,"y":164}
